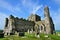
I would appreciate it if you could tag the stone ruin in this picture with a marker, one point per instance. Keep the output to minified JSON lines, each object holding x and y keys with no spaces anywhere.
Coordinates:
{"x":34,"y":22}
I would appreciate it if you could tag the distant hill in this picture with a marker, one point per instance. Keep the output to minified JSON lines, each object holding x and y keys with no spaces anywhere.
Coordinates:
{"x":57,"y":30}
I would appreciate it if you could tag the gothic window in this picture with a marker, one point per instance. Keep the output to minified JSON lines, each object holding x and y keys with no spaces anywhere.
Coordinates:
{"x":7,"y":33}
{"x":41,"y":28}
{"x":44,"y":28}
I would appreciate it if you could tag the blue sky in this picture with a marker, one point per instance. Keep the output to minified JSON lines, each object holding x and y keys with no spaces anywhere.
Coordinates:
{"x":23,"y":8}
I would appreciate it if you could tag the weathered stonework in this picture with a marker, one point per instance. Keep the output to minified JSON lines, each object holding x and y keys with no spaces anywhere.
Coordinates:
{"x":48,"y":21}
{"x":34,"y":22}
{"x":34,"y":17}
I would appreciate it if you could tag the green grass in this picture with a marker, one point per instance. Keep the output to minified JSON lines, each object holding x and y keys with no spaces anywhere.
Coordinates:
{"x":31,"y":37}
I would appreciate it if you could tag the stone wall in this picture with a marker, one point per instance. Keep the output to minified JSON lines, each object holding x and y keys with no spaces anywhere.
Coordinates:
{"x":22,"y":25}
{"x":34,"y":17}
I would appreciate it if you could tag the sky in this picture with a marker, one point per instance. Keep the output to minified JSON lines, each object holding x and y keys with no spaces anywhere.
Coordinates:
{"x":24,"y":8}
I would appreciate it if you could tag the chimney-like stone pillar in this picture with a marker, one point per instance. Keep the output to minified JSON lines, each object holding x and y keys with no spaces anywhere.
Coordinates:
{"x":47,"y":20}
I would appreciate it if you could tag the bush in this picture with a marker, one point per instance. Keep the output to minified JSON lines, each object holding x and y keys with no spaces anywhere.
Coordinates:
{"x":1,"y":35}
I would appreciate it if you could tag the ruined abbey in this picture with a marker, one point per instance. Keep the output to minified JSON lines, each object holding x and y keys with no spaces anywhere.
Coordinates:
{"x":33,"y":23}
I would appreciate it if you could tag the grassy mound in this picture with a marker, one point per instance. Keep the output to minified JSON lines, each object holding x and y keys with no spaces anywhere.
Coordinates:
{"x":32,"y":37}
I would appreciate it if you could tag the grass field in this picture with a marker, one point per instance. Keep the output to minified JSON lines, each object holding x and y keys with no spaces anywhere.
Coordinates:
{"x":32,"y":37}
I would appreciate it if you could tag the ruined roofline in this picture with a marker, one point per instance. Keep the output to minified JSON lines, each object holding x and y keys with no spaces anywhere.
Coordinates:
{"x":34,"y":14}
{"x":20,"y":19}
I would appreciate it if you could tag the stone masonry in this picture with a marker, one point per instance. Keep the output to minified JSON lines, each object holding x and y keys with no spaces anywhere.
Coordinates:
{"x":34,"y":22}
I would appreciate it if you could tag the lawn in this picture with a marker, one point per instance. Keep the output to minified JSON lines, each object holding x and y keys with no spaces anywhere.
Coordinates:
{"x":32,"y":37}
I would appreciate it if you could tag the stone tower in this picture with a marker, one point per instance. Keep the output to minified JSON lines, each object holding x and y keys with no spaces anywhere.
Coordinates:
{"x":11,"y":24}
{"x":6,"y":26}
{"x":34,"y":17}
{"x":48,"y":21}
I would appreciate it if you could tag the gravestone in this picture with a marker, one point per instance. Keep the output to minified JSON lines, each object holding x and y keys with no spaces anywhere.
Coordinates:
{"x":46,"y":36}
{"x":28,"y":31}
{"x":31,"y":31}
{"x":58,"y":34}
{"x":37,"y":35}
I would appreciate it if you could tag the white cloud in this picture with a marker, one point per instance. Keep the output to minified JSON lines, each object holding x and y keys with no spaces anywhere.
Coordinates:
{"x":2,"y":20}
{"x":6,"y":5}
{"x":57,"y":1}
{"x":33,"y":6}
{"x":9,"y":7}
{"x":27,"y":3}
{"x":36,"y":8}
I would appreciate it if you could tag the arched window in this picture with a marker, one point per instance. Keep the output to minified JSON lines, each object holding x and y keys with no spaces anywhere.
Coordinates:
{"x":44,"y":28}
{"x":41,"y":27}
